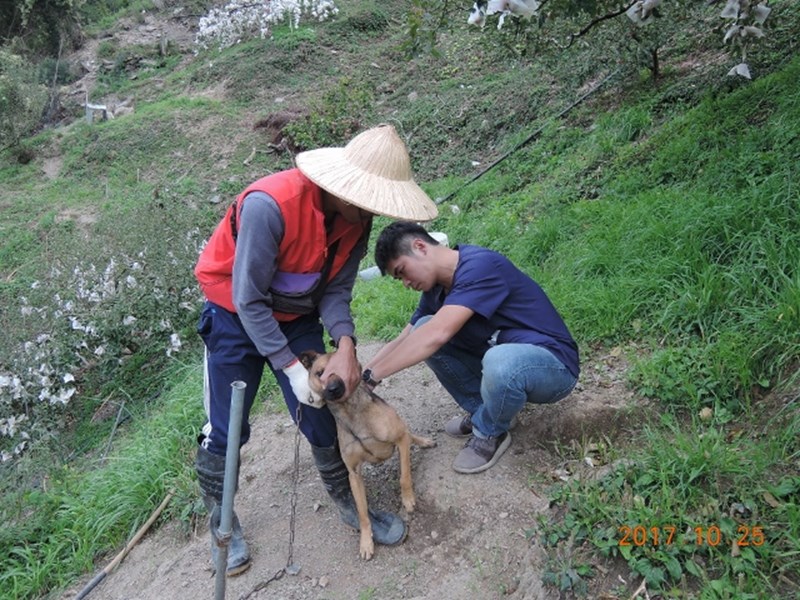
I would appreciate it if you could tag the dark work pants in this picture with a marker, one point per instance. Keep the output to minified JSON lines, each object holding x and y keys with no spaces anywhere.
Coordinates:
{"x":232,"y":356}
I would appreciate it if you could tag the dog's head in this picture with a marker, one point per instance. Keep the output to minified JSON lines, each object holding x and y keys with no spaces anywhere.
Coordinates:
{"x":315,"y":362}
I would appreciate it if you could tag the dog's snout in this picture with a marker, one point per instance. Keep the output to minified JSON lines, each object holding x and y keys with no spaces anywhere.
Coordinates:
{"x":334,"y":390}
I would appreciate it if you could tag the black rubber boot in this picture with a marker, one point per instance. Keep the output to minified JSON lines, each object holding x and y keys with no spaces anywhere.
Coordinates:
{"x":387,"y":528}
{"x":211,"y":476}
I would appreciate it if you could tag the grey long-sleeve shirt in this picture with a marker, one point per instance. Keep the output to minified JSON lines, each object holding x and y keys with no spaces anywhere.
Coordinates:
{"x":260,"y":231}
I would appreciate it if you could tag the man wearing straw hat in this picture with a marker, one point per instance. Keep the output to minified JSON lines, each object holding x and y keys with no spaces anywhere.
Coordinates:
{"x":278,"y":268}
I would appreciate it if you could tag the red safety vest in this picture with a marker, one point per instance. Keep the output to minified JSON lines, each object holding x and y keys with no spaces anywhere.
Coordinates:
{"x":303,"y":249}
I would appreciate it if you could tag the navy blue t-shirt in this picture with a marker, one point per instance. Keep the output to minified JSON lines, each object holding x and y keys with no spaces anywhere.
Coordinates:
{"x":505,"y":300}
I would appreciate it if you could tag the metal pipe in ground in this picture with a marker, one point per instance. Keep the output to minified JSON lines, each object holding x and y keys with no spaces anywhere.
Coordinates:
{"x":223,"y":539}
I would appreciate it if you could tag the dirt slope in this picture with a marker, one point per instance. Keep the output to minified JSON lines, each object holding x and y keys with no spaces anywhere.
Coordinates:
{"x":467,"y":538}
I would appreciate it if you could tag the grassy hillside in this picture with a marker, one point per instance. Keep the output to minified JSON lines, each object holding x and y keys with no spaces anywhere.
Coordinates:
{"x":661,"y":217}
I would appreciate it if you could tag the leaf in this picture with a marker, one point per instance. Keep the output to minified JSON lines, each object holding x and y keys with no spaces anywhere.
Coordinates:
{"x":731,"y":32}
{"x":673,"y":567}
{"x":731,"y":10}
{"x":771,"y":500}
{"x":625,"y":551}
{"x":495,"y":6}
{"x":693,"y":568}
{"x":752,"y":31}
{"x":760,"y":13}
{"x":634,"y":12}
{"x":741,"y":69}
{"x":786,"y":486}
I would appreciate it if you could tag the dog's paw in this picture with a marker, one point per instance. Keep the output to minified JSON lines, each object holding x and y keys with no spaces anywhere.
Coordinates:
{"x":367,"y":548}
{"x":424,"y":442}
{"x":410,"y":503}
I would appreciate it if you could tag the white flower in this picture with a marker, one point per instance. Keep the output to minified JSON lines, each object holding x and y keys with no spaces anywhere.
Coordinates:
{"x":741,"y":69}
{"x":63,"y":396}
{"x":175,"y":344}
{"x":228,"y":25}
{"x":129,"y":320}
{"x":8,"y":427}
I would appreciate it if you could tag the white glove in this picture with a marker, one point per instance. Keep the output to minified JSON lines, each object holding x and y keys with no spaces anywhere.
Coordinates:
{"x":298,"y":379}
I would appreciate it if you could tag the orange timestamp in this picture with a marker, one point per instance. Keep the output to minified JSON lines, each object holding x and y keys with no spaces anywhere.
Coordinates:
{"x":639,"y":535}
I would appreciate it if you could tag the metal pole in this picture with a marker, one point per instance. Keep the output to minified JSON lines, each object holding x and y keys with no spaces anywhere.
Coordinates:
{"x":229,"y":486}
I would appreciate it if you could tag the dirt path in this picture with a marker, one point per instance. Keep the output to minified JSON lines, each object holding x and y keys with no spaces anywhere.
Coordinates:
{"x":467,"y":538}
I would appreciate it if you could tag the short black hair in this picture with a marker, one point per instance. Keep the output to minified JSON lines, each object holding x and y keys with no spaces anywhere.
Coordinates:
{"x":395,"y":240}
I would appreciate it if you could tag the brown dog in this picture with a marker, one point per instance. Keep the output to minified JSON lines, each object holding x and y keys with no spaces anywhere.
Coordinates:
{"x":368,"y":430}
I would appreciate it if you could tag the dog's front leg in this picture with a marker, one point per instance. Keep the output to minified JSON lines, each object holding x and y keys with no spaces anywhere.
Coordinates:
{"x":367,"y":547}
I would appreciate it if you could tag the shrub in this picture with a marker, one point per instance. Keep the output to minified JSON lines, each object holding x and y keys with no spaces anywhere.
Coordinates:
{"x":334,"y":118}
{"x":22,"y":99}
{"x":102,"y":325}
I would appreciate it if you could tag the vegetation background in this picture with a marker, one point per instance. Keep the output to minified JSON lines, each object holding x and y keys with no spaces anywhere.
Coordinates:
{"x":660,"y":213}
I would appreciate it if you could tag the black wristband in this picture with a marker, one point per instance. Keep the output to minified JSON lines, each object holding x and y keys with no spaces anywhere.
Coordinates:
{"x":366,"y":377}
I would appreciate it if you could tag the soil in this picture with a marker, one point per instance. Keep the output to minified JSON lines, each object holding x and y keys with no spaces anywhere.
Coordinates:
{"x":470,"y":536}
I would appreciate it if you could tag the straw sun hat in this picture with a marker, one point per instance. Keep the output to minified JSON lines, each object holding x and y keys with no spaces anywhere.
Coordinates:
{"x":373,"y":172}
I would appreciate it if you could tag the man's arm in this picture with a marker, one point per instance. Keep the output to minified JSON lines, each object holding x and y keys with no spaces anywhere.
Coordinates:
{"x":415,"y":345}
{"x":261,"y":229}
{"x":334,"y":306}
{"x":389,"y":347}
{"x":334,"y":309}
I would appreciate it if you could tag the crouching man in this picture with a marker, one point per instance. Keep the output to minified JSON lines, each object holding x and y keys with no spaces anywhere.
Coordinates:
{"x":486,"y":329}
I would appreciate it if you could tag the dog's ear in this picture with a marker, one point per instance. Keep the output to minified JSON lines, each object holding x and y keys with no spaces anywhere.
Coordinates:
{"x":307,"y":358}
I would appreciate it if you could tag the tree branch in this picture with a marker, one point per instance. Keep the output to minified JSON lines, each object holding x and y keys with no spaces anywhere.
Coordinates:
{"x":594,"y":22}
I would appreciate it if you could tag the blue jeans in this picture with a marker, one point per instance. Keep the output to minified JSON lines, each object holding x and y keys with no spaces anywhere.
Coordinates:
{"x":495,"y":387}
{"x":231,"y":355}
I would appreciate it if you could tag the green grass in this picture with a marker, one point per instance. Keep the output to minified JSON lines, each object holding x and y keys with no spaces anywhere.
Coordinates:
{"x":93,"y":508}
{"x":704,"y":502}
{"x":661,"y":218}
{"x":95,"y":505}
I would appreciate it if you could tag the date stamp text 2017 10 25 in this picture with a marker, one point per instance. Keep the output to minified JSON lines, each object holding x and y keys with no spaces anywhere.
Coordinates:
{"x":639,"y":535}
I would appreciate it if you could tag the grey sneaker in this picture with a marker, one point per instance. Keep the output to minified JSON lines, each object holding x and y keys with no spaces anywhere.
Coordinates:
{"x":479,"y":454}
{"x":459,"y":427}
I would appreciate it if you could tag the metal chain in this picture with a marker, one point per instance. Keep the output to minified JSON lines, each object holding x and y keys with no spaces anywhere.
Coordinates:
{"x":290,"y":567}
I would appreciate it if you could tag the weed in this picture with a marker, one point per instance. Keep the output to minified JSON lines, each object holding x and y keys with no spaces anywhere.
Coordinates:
{"x":689,"y":506}
{"x":567,"y":570}
{"x":368,"y":594}
{"x":333,"y":119}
